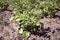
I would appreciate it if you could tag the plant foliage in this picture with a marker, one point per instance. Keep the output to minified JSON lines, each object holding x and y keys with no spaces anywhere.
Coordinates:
{"x":29,"y":12}
{"x":3,"y":3}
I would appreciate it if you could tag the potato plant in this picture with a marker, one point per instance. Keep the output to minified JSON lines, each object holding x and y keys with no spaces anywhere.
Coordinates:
{"x":28,"y":13}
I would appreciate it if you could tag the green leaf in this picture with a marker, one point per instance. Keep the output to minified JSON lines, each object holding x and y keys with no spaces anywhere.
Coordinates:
{"x":21,"y":31}
{"x":26,"y":33}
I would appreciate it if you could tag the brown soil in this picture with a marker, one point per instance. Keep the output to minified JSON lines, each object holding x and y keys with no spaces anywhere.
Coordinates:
{"x":8,"y":29}
{"x":51,"y":29}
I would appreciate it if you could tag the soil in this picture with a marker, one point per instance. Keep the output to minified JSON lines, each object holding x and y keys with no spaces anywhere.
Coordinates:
{"x":8,"y":29}
{"x":51,"y":29}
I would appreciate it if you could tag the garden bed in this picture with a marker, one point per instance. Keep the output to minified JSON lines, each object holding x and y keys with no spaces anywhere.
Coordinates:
{"x":9,"y":29}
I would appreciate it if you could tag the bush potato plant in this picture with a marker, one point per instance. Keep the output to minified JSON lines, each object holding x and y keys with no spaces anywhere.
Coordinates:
{"x":28,"y":13}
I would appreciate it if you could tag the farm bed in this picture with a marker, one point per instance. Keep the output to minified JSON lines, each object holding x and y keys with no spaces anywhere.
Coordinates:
{"x":8,"y":29}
